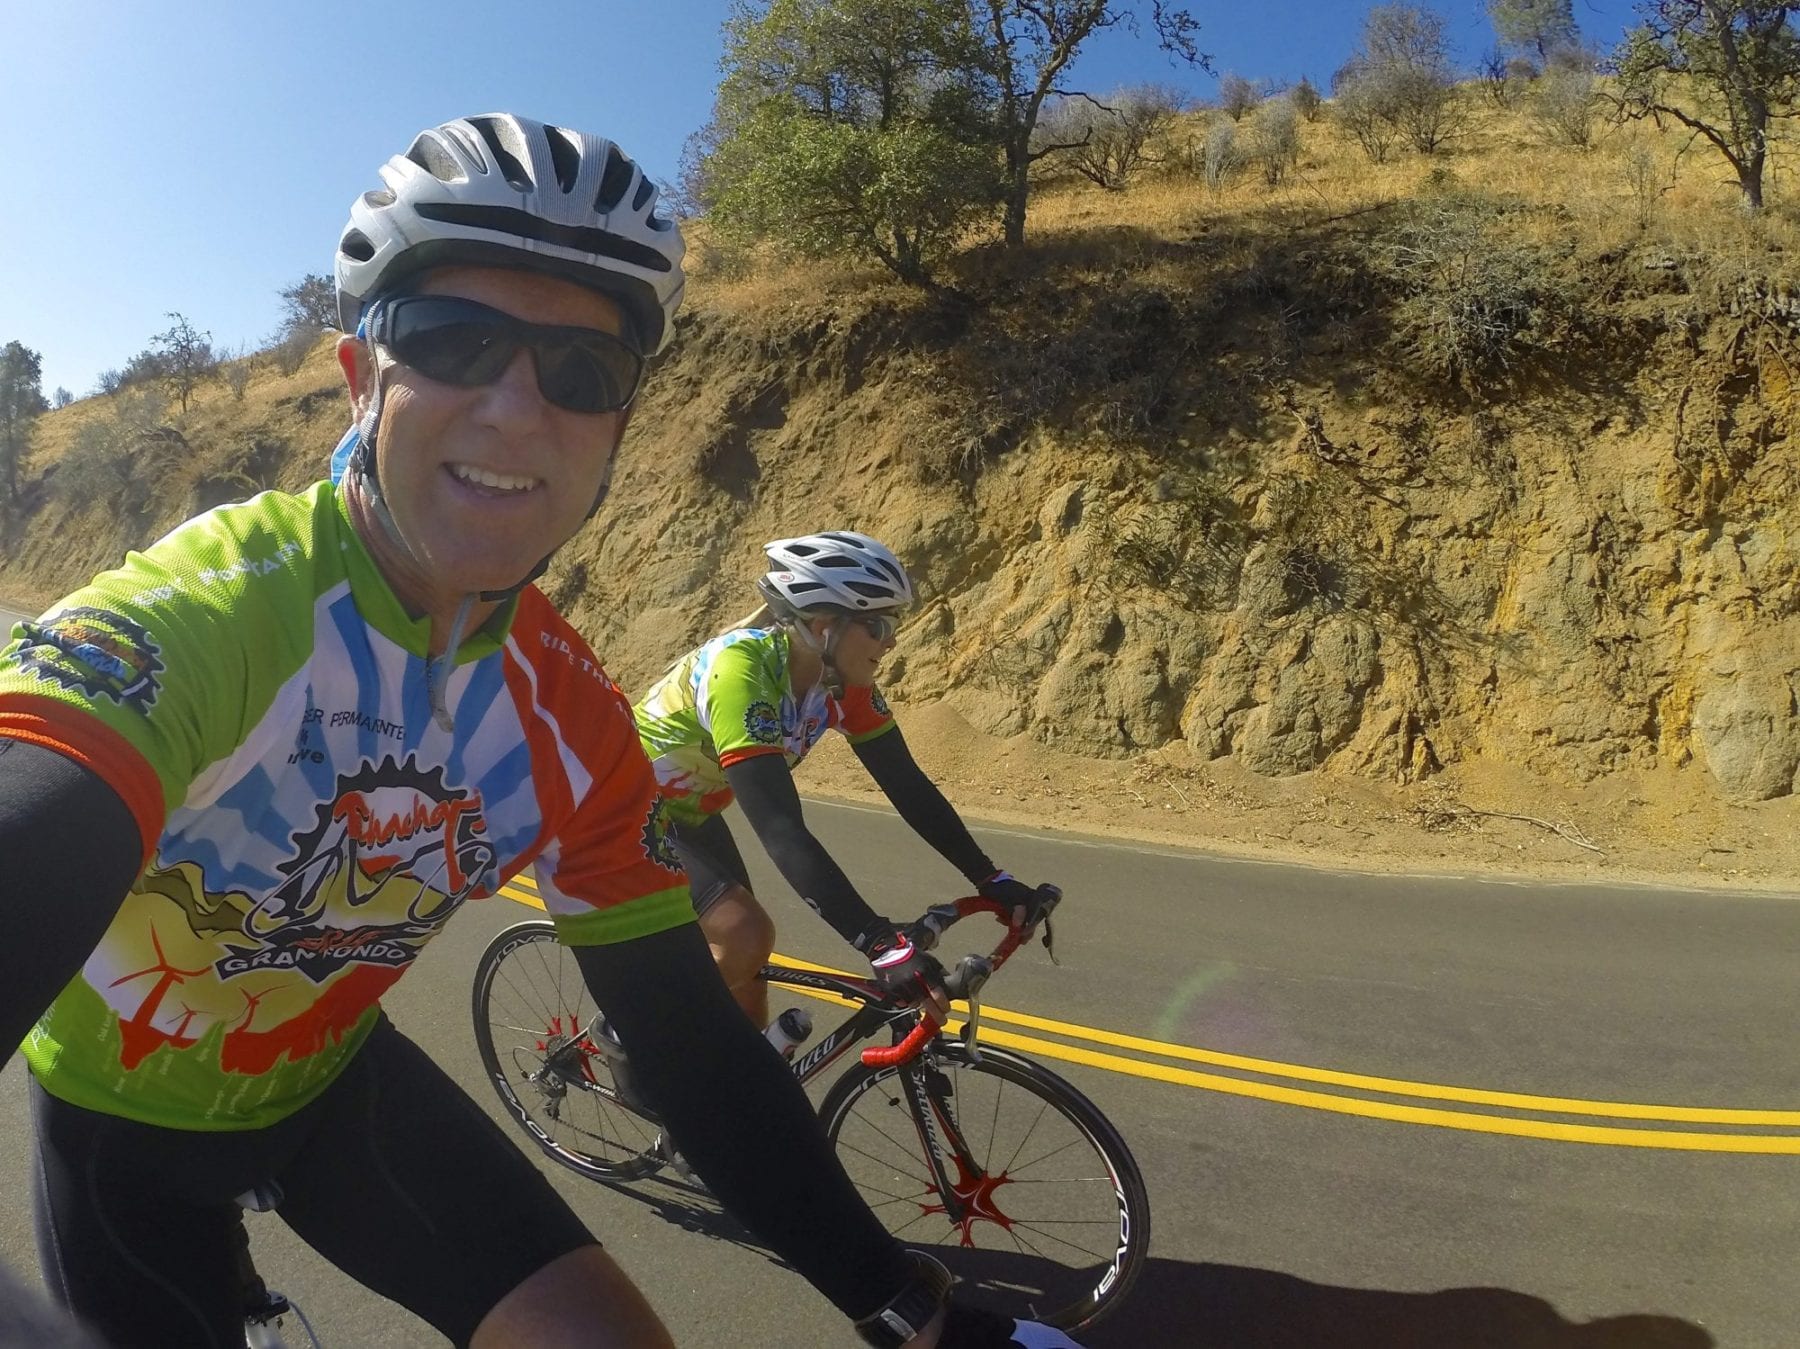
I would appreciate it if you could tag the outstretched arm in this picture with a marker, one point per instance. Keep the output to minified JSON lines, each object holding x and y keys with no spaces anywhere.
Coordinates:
{"x":69,"y":850}
{"x":739,"y":1115}
{"x":921,"y":804}
{"x":764,"y":787}
{"x":935,"y":820}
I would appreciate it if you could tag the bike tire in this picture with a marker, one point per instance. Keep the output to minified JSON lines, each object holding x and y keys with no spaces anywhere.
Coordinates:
{"x":529,"y":1003}
{"x":1031,"y":1262}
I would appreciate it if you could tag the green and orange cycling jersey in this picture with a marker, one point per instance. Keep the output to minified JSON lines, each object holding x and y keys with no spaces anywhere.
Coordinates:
{"x":730,"y":699}
{"x":256,"y":694}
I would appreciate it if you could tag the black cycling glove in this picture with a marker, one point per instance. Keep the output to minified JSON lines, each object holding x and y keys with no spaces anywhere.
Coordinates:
{"x":1027,"y":905}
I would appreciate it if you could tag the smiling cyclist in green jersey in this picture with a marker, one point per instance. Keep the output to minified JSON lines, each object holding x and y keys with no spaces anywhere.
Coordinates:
{"x":247,"y":775}
{"x":734,"y":717}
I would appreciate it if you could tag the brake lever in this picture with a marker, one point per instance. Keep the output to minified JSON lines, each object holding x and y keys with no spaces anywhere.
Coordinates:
{"x":1048,"y":941}
{"x":970,"y":1026}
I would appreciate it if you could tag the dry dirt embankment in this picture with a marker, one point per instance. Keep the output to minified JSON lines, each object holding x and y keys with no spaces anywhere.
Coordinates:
{"x":1216,"y":545}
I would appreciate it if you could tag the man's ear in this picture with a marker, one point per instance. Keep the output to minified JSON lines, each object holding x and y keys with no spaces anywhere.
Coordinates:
{"x":359,"y":373}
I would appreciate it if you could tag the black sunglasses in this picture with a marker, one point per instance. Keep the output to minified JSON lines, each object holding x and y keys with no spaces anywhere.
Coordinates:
{"x":878,"y":626}
{"x":457,"y":341}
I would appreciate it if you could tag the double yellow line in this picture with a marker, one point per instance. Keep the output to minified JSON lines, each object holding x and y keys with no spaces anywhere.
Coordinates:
{"x":1525,"y":1120}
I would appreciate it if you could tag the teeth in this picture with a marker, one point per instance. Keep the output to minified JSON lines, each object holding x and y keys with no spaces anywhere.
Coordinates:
{"x":504,"y":482}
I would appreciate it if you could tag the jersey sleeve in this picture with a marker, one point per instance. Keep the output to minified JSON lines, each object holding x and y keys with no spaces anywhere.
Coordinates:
{"x":144,"y":676}
{"x":610,"y":874}
{"x":740,"y":703}
{"x":863,"y":714}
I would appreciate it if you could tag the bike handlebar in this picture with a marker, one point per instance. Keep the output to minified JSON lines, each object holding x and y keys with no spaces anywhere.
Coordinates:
{"x":970,"y":973}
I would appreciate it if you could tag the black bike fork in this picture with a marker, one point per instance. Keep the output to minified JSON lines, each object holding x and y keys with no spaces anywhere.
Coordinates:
{"x":929,"y":1096}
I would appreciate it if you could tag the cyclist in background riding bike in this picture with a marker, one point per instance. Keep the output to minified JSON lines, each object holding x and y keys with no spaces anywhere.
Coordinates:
{"x":736,"y":715}
{"x":247,"y":775}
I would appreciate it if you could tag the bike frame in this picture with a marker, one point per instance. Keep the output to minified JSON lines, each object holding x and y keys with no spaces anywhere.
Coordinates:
{"x":927,"y":1090}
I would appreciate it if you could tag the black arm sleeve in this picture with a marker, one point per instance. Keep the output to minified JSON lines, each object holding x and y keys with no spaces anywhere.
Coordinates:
{"x":69,"y":851}
{"x":740,"y":1117}
{"x":764,"y":786}
{"x":921,"y":804}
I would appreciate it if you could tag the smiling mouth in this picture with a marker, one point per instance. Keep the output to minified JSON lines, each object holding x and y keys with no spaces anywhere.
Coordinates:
{"x":493,"y":482}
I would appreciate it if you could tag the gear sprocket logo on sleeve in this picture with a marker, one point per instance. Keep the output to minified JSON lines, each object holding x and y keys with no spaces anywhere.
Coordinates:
{"x":658,"y":847}
{"x":96,"y":652}
{"x":763,"y":723}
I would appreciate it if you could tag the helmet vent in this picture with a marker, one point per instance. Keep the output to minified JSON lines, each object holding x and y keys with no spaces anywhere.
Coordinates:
{"x":615,"y":181}
{"x":428,"y":153}
{"x":565,"y":156}
{"x":889,"y":568}
{"x":838,"y":562}
{"x":646,"y":190}
{"x":802,"y":549}
{"x":509,"y":151}
{"x":874,"y":592}
{"x":801,"y":587}
{"x":355,"y":244}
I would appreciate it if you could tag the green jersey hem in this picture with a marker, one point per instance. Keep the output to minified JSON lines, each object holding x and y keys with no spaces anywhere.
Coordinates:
{"x":641,"y":917}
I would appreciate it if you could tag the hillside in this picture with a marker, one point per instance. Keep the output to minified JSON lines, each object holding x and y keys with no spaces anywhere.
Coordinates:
{"x":1338,"y":519}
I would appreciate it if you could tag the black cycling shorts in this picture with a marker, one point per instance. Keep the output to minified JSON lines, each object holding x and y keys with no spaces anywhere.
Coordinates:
{"x":710,"y":856}
{"x":394,"y":1175}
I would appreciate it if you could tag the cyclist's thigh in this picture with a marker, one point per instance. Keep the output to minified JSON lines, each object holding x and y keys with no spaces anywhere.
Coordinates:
{"x":135,"y":1224}
{"x":409,"y":1188}
{"x":710,"y":856}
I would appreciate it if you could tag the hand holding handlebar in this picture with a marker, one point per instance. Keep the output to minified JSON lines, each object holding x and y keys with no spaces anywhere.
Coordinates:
{"x":971,"y":972}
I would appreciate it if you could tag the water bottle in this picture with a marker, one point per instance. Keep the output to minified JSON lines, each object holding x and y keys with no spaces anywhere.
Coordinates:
{"x":788,"y":1031}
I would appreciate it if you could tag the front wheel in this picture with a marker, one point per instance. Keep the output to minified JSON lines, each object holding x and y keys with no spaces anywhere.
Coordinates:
{"x":535,"y":1027}
{"x":1046,"y":1217}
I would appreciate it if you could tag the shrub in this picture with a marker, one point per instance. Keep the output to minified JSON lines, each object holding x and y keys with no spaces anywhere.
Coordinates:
{"x":1471,"y":302}
{"x":1273,"y":144}
{"x":1306,"y":99}
{"x":1563,"y":105}
{"x":1402,"y":74}
{"x":103,"y":462}
{"x":1220,"y":156}
{"x":1237,"y":97}
{"x":292,"y":346}
{"x":1107,"y":141}
{"x":1366,"y":108}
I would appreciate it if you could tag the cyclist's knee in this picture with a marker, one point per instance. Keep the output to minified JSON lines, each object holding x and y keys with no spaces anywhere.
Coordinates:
{"x":741,"y":934}
{"x":581,"y":1298}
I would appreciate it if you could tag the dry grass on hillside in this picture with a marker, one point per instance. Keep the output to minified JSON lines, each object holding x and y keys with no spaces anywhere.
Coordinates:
{"x":783,"y":364}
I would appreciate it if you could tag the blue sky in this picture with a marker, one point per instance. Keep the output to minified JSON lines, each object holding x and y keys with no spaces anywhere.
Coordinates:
{"x":199,"y":155}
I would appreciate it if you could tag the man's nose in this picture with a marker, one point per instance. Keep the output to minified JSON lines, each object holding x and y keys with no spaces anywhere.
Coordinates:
{"x":515,"y":393}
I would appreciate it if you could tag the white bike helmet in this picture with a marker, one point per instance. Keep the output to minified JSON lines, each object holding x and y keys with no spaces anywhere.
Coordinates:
{"x":505,"y":191}
{"x":836,"y":570}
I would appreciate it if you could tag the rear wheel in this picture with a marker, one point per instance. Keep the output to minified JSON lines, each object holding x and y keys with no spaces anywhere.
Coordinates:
{"x":1048,"y":1218}
{"x":535,"y":1027}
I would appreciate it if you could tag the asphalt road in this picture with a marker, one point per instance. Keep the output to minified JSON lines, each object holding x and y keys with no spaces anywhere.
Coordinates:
{"x":1371,"y":1111}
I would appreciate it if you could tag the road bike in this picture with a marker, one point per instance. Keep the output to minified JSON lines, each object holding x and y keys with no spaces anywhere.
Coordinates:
{"x":1013,"y":1177}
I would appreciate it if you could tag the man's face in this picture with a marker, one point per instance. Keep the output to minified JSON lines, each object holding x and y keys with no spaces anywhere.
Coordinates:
{"x":483,"y":482}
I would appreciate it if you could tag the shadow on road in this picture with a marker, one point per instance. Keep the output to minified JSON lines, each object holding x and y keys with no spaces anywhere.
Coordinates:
{"x":1179,"y":1305}
{"x":1206,"y":1305}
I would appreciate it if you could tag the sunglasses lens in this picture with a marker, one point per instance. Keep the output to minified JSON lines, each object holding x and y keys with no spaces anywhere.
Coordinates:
{"x":466,"y":352}
{"x":880,"y":628}
{"x":457,"y":341}
{"x":586,"y":374}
